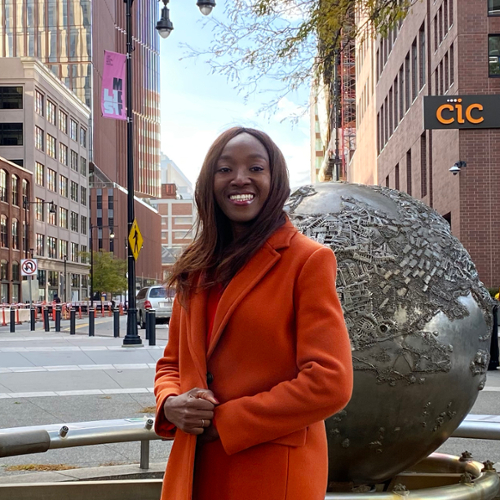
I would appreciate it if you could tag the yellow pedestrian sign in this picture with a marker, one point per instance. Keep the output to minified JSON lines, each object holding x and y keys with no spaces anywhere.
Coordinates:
{"x":135,"y":239}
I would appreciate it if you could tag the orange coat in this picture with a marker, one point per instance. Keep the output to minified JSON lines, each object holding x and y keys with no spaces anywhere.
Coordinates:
{"x":281,"y":363}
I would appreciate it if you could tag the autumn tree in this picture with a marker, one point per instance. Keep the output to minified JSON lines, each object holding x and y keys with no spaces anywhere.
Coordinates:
{"x":288,"y":41}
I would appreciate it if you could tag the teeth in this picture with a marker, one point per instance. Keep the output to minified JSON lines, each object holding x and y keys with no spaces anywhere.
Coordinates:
{"x":241,"y":197}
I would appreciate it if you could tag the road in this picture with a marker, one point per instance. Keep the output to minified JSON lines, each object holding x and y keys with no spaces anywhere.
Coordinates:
{"x":48,"y":378}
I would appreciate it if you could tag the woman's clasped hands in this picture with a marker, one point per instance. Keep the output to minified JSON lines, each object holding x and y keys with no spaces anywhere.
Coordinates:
{"x":193,"y":413}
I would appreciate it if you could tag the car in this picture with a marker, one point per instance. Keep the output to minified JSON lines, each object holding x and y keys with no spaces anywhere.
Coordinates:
{"x":157,"y":298}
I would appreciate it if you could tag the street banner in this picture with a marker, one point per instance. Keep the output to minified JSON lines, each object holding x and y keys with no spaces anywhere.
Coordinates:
{"x":113,"y":86}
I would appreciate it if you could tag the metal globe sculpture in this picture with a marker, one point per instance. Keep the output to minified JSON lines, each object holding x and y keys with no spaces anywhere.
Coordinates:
{"x":419,"y":321}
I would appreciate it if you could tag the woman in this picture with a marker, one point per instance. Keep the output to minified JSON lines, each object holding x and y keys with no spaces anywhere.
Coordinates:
{"x":258,"y":352}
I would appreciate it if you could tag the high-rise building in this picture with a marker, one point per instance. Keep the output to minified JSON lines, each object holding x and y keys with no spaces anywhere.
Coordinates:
{"x":446,"y":48}
{"x":70,"y":37}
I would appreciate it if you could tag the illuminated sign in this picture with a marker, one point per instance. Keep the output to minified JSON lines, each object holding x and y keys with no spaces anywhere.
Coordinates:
{"x":462,"y":111}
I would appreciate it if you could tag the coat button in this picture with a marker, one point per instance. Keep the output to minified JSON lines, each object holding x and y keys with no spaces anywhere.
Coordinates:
{"x":210,"y":378}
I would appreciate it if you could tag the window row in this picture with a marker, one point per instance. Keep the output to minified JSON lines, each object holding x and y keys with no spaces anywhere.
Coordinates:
{"x":49,"y":145}
{"x":409,"y":171}
{"x":385,"y":49}
{"x":16,"y":188}
{"x":60,"y":118}
{"x":12,"y":239}
{"x":11,"y":98}
{"x":61,"y":217}
{"x":444,"y":76}
{"x":443,"y":21}
{"x":406,"y":86}
{"x":65,"y":185}
{"x":51,"y":247}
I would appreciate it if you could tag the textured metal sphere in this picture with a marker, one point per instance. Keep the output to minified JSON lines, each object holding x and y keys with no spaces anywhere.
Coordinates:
{"x":419,"y":321}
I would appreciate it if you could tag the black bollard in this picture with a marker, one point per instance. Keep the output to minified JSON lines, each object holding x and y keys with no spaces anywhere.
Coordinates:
{"x":12,"y":320}
{"x":91,"y":322}
{"x":72,"y":321}
{"x":58,"y":319}
{"x":151,"y":327}
{"x":32,"y":319}
{"x":46,"y":323}
{"x":116,"y":323}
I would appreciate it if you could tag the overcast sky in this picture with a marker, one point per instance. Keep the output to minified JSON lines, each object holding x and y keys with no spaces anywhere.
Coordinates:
{"x":197,"y":106}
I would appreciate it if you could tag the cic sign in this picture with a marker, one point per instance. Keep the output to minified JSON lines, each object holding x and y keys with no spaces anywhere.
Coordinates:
{"x":461,"y":111}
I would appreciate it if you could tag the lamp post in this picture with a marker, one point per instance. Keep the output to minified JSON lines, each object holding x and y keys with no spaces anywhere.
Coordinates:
{"x":164,"y":27}
{"x":65,"y":258}
{"x":111,"y":236}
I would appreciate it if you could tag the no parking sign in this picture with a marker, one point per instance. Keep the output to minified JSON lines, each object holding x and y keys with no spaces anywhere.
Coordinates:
{"x":29,"y":267}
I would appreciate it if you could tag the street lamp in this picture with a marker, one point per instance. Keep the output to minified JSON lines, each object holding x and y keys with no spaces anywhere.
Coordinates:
{"x":111,"y":236}
{"x":65,"y":258}
{"x":164,"y":27}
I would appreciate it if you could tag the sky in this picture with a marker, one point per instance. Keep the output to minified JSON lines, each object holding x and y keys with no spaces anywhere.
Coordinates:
{"x":196,"y":106}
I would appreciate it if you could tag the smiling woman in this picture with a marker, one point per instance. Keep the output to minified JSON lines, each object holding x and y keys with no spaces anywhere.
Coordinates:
{"x":258,"y":352}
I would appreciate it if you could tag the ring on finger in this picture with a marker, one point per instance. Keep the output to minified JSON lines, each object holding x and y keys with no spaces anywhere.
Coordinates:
{"x":202,"y":423}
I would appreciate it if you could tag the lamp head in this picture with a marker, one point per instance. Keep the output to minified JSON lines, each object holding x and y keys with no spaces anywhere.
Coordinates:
{"x":455,"y":169}
{"x":205,"y":6}
{"x":111,"y":235}
{"x":164,"y":25}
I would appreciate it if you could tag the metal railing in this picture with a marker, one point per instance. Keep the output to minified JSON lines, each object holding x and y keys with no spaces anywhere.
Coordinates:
{"x":41,"y":438}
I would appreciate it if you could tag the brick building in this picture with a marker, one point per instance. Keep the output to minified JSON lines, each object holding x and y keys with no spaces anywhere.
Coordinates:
{"x":16,"y":228}
{"x":443,"y":47}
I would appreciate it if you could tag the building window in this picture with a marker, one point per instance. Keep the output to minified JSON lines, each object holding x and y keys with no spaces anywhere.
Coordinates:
{"x":414,"y":69}
{"x":3,"y":185}
{"x":494,"y":55}
{"x":52,"y":247}
{"x":15,"y":190}
{"x":75,"y":278}
{"x":38,"y":138}
{"x":421,"y":44}
{"x":74,"y":254}
{"x":63,"y":186}
{"x":445,"y":14}
{"x":407,"y":81}
{"x":74,"y":161}
{"x":63,"y":121}
{"x":39,"y":174}
{"x":40,"y":244}
{"x":63,"y":249}
{"x":182,"y":235}
{"x":84,"y":224}
{"x":494,"y":7}
{"x":452,"y":64}
{"x":15,"y":234}
{"x":51,"y":180}
{"x":83,"y":166}
{"x":11,"y":98}
{"x":182,"y":220}
{"x":11,"y":134}
{"x":83,"y":198}
{"x":51,"y":112}
{"x":408,"y":172}
{"x":63,"y":153}
{"x":51,"y":146}
{"x":396,"y":100}
{"x":4,"y":271}
{"x":396,"y":177}
{"x":73,"y":129}
{"x":63,"y":217}
{"x":440,"y":23}
{"x":74,"y":191}
{"x":39,"y":102}
{"x":446,"y":72}
{"x":39,"y":206}
{"x":423,"y":165}
{"x":74,"y":221}
{"x":53,"y":279}
{"x":83,"y":254}
{"x":83,"y":137}
{"x":3,"y":231}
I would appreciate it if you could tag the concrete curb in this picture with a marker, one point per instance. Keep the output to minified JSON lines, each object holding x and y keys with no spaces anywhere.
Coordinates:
{"x":103,"y":473}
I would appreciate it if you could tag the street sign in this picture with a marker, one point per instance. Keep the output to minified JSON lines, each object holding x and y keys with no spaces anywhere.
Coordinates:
{"x":135,"y":239}
{"x":29,"y":267}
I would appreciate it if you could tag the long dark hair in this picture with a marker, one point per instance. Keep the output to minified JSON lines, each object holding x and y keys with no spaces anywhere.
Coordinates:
{"x":215,"y":255}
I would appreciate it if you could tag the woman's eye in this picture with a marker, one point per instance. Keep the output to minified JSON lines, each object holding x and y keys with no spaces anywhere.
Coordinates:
{"x":223,"y":169}
{"x":256,"y":168}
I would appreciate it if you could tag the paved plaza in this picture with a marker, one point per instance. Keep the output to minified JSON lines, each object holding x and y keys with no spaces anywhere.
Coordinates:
{"x":58,"y":378}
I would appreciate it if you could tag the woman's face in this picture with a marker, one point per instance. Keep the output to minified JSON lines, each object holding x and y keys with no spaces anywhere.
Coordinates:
{"x":242,"y":180}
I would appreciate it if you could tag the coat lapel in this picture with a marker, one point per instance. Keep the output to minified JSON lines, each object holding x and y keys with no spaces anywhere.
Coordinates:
{"x":251,"y":274}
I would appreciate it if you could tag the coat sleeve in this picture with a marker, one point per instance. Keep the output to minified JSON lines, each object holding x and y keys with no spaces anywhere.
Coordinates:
{"x":323,"y":385}
{"x":167,"y":382}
